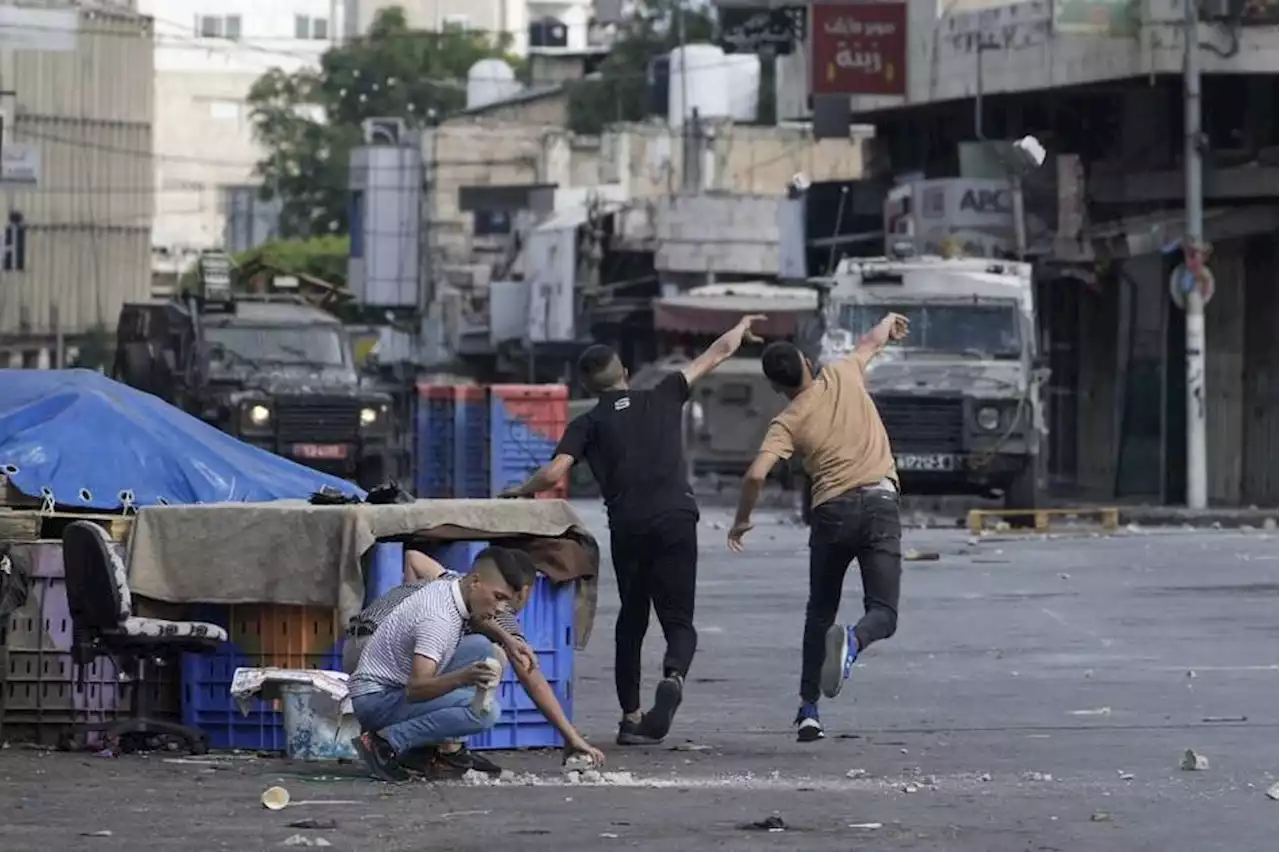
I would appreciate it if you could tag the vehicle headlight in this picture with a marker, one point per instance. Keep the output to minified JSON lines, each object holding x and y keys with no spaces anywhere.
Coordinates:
{"x":259,"y":415}
{"x":988,"y":417}
{"x":373,"y":418}
{"x":368,"y":416}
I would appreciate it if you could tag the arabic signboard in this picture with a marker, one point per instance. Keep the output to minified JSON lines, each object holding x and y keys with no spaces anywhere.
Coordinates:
{"x":20,"y":164}
{"x":1108,"y":18}
{"x":859,"y":48}
{"x":770,"y":32}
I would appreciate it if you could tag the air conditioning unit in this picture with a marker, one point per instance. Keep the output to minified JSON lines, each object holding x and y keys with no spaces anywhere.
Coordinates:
{"x":384,"y":131}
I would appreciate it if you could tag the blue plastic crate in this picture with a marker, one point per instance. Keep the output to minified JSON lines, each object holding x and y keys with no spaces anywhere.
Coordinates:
{"x":385,"y":570}
{"x":471,"y":442}
{"x":435,"y":431}
{"x":206,"y":678}
{"x":457,"y":555}
{"x":525,"y":424}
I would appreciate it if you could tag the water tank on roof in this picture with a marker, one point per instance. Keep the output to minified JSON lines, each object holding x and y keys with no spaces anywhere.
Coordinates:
{"x":743,"y":73}
{"x":489,"y":81}
{"x":698,"y":81}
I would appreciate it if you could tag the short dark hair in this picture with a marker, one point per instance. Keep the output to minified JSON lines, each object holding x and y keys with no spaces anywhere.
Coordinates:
{"x":515,"y":567}
{"x":783,"y":364}
{"x":599,"y":368}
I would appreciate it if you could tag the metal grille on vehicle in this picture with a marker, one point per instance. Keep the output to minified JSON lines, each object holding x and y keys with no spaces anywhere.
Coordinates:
{"x":317,"y":420}
{"x":923,"y":424}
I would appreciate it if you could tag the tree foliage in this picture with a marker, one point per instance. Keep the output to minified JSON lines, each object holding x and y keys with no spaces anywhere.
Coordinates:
{"x":308,"y":121}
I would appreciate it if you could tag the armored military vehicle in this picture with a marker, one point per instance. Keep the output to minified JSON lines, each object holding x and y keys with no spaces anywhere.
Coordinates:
{"x":961,"y":396}
{"x":268,"y":368}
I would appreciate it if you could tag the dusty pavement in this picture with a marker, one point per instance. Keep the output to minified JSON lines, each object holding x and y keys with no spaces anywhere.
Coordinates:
{"x":1038,"y":697}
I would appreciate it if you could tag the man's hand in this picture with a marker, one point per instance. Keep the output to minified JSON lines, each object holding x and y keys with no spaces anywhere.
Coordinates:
{"x":521,"y":655}
{"x":897,"y":326}
{"x":511,"y":492}
{"x":743,"y":333}
{"x":736,"y":532}
{"x":477,"y":674}
{"x":581,"y":746}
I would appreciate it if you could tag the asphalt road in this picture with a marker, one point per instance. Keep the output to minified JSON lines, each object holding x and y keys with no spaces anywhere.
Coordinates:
{"x":1038,"y":696}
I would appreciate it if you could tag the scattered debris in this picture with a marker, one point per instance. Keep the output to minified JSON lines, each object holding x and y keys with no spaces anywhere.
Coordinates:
{"x":1133,"y":528}
{"x":1192,"y":762}
{"x":464,"y":813}
{"x":1097,"y":711}
{"x":772,"y":824}
{"x":690,"y":746}
{"x":869,"y":826}
{"x":913,"y":555}
{"x":570,"y":777}
{"x":1270,"y":526}
{"x":303,"y":840}
{"x":313,"y":824}
{"x":903,"y":750}
{"x":986,"y":776}
{"x":1100,"y":816}
{"x":1088,"y":673}
{"x":1191,"y":673}
{"x":579,"y":762}
{"x":1274,"y":791}
{"x":473,"y":778}
{"x":275,"y":798}
{"x":608,"y":835}
{"x":103,"y":833}
{"x":856,"y":773}
{"x":591,"y":776}
{"x":910,"y":788}
{"x":1064,"y":576}
{"x":1124,"y":776}
{"x":1212,"y":719}
{"x":1036,"y":776}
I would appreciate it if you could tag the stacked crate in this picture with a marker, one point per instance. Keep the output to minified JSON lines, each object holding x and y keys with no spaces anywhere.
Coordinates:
{"x":475,"y":441}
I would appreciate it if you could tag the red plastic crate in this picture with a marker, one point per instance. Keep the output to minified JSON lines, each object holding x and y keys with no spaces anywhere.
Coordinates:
{"x":526,"y":422}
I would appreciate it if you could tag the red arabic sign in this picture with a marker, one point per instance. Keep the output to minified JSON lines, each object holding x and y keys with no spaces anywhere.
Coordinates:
{"x":858,"y":48}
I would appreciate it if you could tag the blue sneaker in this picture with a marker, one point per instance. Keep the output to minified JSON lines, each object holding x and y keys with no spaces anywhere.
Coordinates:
{"x":842,"y":650}
{"x":808,"y":727}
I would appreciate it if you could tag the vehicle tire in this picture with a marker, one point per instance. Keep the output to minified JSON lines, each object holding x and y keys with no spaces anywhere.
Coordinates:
{"x":1023,"y":493}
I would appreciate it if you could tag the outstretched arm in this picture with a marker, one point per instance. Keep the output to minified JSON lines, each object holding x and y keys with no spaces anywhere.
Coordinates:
{"x":892,"y":327}
{"x":777,"y":446}
{"x":544,"y":479}
{"x":723,"y":349}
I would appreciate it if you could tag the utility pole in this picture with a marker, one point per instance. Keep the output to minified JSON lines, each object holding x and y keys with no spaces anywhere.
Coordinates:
{"x":1197,"y":467}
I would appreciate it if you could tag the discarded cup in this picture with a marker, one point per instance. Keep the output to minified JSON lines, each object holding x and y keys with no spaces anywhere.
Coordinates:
{"x":275,"y":798}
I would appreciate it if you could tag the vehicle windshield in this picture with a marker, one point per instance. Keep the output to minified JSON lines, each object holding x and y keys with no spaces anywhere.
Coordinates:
{"x":317,"y":346}
{"x":978,"y":330}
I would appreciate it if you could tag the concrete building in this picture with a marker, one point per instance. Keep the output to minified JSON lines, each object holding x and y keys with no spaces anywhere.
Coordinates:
{"x":207,"y":57}
{"x":77,"y":175}
{"x":529,"y":24}
{"x":1100,"y":84}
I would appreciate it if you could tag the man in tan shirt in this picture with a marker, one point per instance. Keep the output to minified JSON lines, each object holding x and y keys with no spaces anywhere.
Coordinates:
{"x":832,"y":424}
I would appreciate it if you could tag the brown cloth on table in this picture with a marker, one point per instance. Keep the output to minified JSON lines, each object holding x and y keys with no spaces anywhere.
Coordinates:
{"x":292,"y":552}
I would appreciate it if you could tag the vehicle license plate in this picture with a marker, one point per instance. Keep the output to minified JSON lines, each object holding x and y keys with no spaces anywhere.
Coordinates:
{"x":320,"y":451}
{"x":929,"y":462}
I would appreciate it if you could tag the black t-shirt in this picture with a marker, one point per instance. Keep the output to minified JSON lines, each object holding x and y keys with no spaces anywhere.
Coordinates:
{"x":632,"y":441}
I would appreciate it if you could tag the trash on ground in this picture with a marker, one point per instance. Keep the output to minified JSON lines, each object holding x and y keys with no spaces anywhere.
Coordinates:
{"x":303,"y":840}
{"x":1100,"y":816}
{"x":1124,"y":776}
{"x":579,"y":762}
{"x":773,"y":823}
{"x":1212,"y":719}
{"x":103,"y":833}
{"x":910,"y":788}
{"x":913,"y":555}
{"x":856,"y":773}
{"x":690,"y":746}
{"x":1193,"y":762}
{"x":313,"y":824}
{"x":609,"y":835}
{"x":463,"y":813}
{"x":1036,"y":776}
{"x":870,"y":826}
{"x":1097,"y":711}
{"x":1274,"y":791}
{"x":275,"y":798}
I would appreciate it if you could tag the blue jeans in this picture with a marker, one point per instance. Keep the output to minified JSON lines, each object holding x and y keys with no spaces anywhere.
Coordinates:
{"x":407,"y":725}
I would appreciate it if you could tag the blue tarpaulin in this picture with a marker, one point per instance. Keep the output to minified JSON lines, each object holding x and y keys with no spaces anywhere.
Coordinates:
{"x":89,"y":441}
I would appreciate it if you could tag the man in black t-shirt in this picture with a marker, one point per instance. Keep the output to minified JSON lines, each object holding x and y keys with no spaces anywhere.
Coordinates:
{"x":632,"y":441}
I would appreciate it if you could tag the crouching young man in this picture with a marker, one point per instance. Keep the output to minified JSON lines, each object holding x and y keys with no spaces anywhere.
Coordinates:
{"x":505,"y":631}
{"x":423,"y":683}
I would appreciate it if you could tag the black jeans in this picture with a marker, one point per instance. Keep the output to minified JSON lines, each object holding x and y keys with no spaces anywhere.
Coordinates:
{"x":861,"y":524}
{"x":656,"y":563}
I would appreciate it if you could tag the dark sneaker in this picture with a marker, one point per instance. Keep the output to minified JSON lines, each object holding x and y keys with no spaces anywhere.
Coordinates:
{"x":634,"y":734}
{"x":657,"y":722}
{"x":837,"y":665}
{"x":464,"y":759}
{"x":808,"y":727}
{"x":419,"y":760}
{"x":380,"y":759}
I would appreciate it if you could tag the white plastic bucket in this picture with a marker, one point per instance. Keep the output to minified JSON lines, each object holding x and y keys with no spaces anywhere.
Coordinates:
{"x":315,"y":728}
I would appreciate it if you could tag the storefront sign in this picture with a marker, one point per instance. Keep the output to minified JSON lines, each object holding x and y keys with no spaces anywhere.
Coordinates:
{"x":859,"y":48}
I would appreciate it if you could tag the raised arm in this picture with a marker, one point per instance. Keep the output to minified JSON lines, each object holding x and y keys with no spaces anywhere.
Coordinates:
{"x":723,"y":349}
{"x":892,"y":327}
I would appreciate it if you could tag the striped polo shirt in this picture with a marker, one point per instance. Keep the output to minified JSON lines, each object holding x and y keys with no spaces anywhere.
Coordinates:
{"x":429,"y":624}
{"x":375,"y":613}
